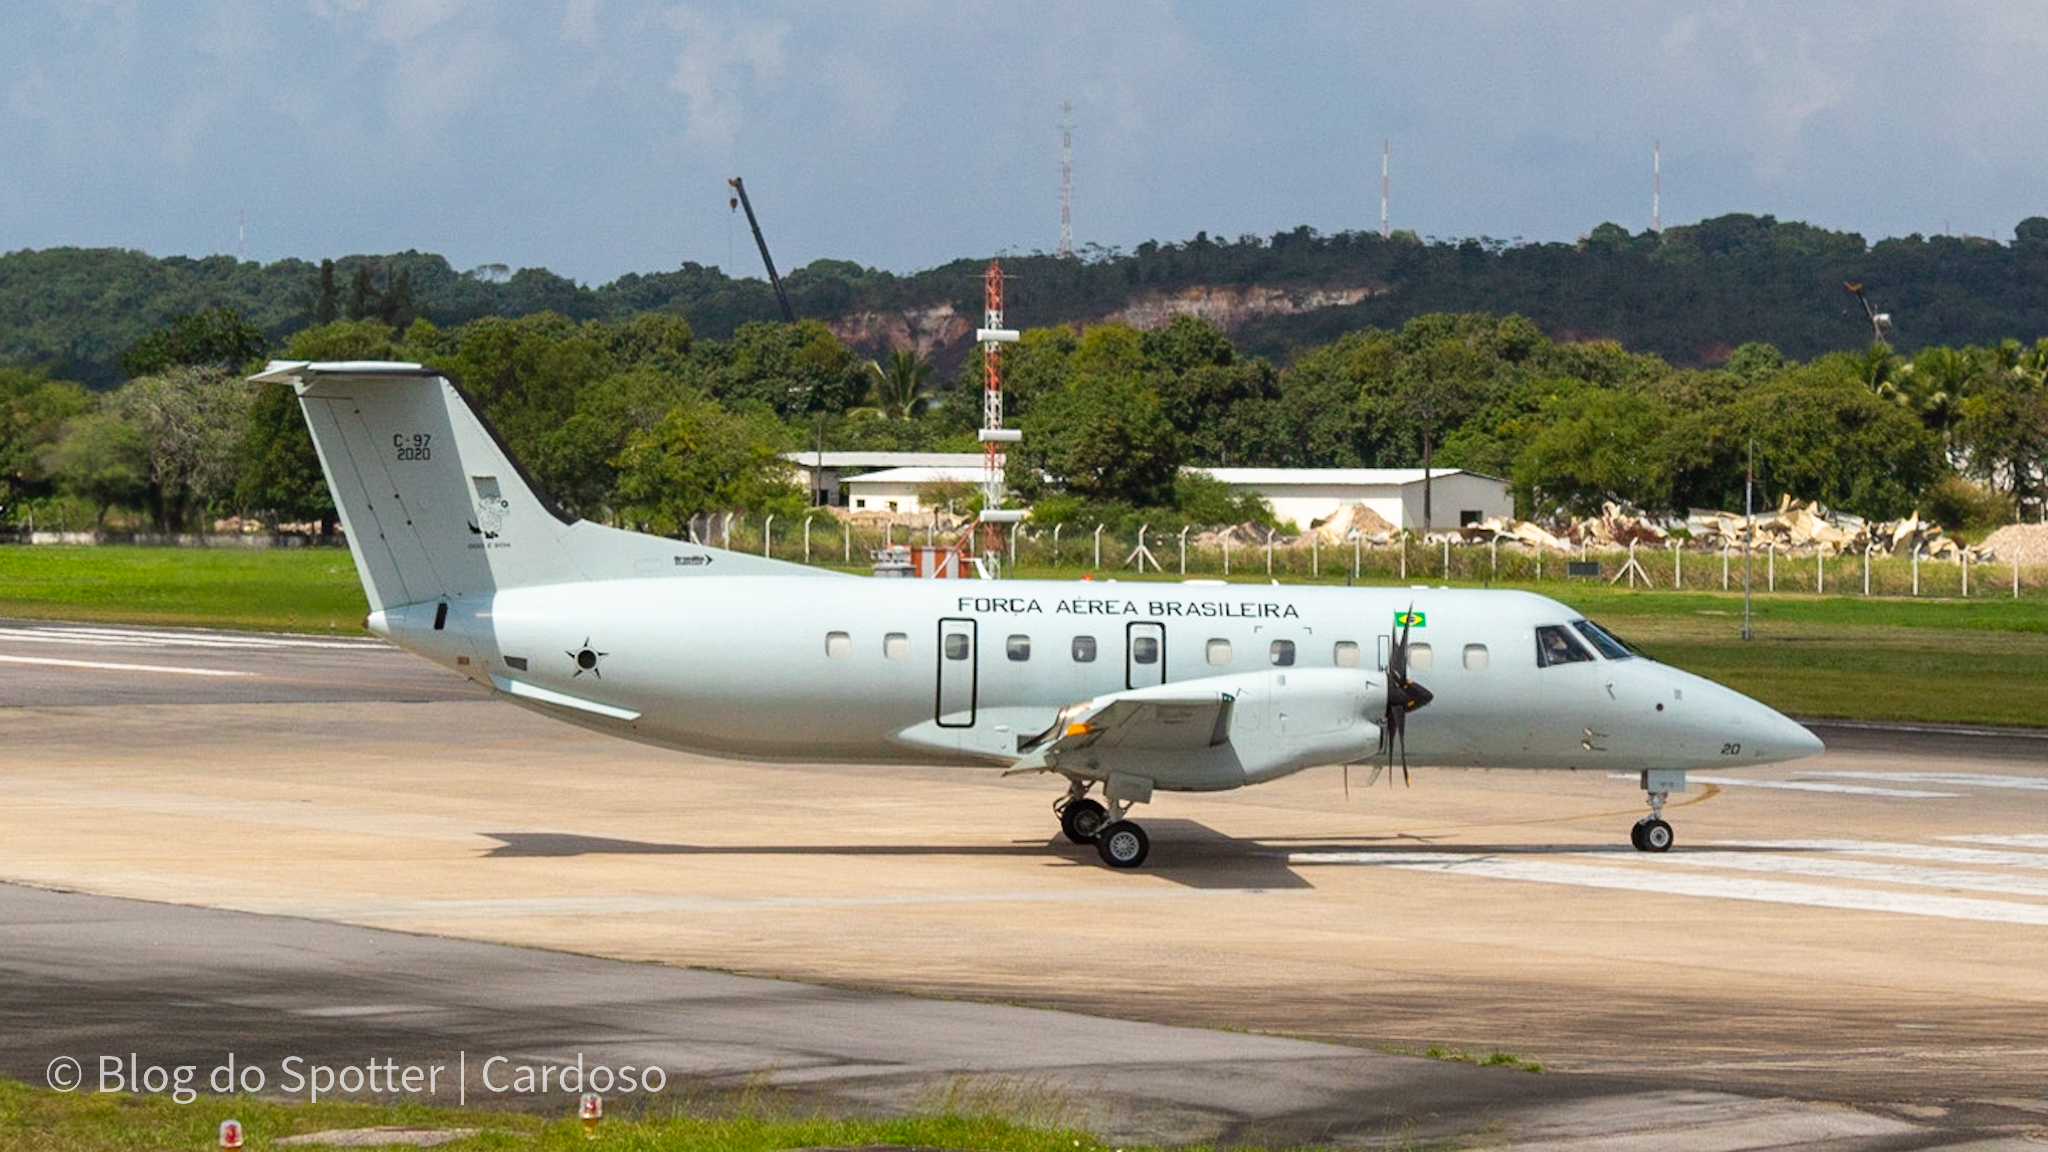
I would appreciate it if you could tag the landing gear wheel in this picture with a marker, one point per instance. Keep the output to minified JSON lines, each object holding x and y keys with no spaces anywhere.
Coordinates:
{"x":1651,"y":836}
{"x":1082,"y":819}
{"x":1122,"y":845}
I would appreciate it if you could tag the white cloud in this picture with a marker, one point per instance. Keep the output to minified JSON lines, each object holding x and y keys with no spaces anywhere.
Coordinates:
{"x":721,"y":60}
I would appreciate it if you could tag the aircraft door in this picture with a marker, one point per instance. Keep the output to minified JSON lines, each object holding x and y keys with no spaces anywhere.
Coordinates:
{"x":958,"y":662}
{"x":1144,"y":654}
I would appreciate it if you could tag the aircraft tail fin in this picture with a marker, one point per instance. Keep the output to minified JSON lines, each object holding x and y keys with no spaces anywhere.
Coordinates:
{"x":436,"y":509}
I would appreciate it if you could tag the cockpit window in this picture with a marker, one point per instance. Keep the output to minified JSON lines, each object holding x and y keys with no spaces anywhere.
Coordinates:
{"x":1601,"y":640}
{"x":1555,"y":645}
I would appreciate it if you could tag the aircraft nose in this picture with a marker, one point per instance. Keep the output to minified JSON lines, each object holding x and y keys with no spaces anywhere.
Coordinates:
{"x":1782,"y":738}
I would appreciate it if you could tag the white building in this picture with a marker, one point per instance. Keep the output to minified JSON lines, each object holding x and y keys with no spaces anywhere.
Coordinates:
{"x":822,"y":473}
{"x":1304,"y":495}
{"x":898,"y":489}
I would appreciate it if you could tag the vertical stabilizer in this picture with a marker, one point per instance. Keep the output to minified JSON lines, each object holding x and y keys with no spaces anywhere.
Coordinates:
{"x":434,"y":507}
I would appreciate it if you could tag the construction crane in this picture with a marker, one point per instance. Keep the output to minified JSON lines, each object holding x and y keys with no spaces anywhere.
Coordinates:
{"x":739,"y":200}
{"x":1879,"y":321}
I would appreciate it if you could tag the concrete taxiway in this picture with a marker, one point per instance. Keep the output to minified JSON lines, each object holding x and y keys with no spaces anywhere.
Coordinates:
{"x":1844,"y":949}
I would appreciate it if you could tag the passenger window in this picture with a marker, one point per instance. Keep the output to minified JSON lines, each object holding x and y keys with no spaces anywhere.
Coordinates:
{"x":1084,"y":649}
{"x":1345,"y":655}
{"x":1282,"y":653}
{"x":1477,"y":657}
{"x":1145,"y":650}
{"x":1218,"y":652}
{"x":1018,"y":648}
{"x":1555,"y":645}
{"x":838,"y":645}
{"x":895,"y":646}
{"x":958,"y":646}
{"x":1421,"y":657}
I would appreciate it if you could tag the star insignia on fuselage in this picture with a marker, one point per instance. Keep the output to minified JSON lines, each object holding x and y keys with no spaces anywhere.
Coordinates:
{"x":587,"y":659}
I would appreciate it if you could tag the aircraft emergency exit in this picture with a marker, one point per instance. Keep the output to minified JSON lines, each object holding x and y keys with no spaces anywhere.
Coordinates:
{"x":1129,"y":688}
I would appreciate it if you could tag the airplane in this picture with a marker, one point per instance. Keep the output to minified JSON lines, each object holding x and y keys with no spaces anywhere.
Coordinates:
{"x":1131,"y":688}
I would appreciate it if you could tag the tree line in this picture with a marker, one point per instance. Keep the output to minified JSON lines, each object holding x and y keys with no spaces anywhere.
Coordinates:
{"x":642,"y":422}
{"x":1689,"y":294}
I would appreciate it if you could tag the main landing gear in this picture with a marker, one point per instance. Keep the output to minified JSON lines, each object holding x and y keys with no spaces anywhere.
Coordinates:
{"x":1120,"y":842}
{"x":1651,"y":833}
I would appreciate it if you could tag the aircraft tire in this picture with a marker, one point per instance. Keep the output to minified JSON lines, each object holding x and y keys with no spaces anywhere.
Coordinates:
{"x":1635,"y":835}
{"x":1123,"y":845}
{"x":1656,"y":836}
{"x":1082,"y":820}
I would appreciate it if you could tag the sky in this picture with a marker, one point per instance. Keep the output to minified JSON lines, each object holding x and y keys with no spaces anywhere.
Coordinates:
{"x":595,"y":137}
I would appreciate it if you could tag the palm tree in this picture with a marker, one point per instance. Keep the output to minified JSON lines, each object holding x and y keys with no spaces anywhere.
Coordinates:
{"x":898,"y":392}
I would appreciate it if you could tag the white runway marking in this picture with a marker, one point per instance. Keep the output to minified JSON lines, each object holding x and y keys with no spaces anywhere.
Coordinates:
{"x":2023,"y":840}
{"x":1953,"y":779}
{"x":102,"y":666}
{"x":1913,"y":889}
{"x":172,"y":638}
{"x":1810,"y":786}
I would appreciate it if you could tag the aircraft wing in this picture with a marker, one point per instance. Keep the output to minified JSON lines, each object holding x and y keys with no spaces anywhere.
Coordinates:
{"x":1218,"y":732}
{"x":1152,"y":724}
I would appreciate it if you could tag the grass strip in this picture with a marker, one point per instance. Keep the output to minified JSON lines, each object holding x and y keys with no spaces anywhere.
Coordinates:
{"x":38,"y":1120}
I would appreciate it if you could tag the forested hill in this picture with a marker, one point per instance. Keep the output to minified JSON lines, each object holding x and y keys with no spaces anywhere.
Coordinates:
{"x":1690,"y":294}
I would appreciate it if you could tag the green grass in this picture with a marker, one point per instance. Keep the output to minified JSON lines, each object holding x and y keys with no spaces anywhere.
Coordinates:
{"x":38,"y":1120}
{"x":1977,"y":661}
{"x":286,"y":590}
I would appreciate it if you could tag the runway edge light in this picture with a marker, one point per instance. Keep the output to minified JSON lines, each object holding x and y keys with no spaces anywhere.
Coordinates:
{"x":590,"y":1110}
{"x":231,"y":1133}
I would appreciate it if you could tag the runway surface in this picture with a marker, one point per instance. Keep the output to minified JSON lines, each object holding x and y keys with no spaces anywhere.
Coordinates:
{"x":1862,"y":929}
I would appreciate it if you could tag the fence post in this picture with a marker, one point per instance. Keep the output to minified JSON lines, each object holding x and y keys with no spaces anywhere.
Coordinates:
{"x":1820,"y":572}
{"x":1866,"y":569}
{"x":1771,"y":564}
{"x":1539,"y":561}
{"x":725,"y":533}
{"x":1726,"y":547}
{"x":1966,"y":573}
{"x":1493,"y":560}
{"x":1226,"y":552}
{"x":1315,"y":553}
{"x":767,"y":536}
{"x":1184,"y":548}
{"x":807,"y":539}
{"x":1916,"y":569}
{"x":1056,"y":544}
{"x":1404,"y":555}
{"x":1015,"y":530}
{"x":1677,"y":568}
{"x":1447,"y":559}
{"x":848,"y":558}
{"x":1270,"y":533}
{"x":1098,"y":547}
{"x":1358,"y":560}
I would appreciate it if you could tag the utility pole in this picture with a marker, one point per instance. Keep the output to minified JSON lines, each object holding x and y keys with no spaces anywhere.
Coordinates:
{"x":1066,"y":248}
{"x":1386,"y":150}
{"x":1749,"y":535}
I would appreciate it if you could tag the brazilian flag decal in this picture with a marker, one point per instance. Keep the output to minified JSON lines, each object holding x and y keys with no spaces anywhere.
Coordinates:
{"x":1411,"y":619}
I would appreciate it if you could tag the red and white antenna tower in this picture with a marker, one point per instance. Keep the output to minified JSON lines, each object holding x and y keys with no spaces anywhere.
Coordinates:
{"x":992,"y":336}
{"x":1386,"y":149}
{"x":1657,"y":186}
{"x":1066,"y":248}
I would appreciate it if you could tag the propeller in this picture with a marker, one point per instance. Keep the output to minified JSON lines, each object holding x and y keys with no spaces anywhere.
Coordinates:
{"x":1403,"y":696}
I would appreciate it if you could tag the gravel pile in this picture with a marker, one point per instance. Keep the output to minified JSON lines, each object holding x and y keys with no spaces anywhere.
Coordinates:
{"x":2026,"y":543}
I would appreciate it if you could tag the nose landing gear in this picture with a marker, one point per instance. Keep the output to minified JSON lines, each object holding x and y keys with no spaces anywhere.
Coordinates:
{"x":1651,"y":833}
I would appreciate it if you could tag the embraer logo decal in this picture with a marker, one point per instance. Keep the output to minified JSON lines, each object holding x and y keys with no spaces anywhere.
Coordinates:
{"x":586,"y":659}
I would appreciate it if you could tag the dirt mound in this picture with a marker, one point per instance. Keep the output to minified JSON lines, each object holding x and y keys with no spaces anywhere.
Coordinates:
{"x":2026,"y":543}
